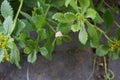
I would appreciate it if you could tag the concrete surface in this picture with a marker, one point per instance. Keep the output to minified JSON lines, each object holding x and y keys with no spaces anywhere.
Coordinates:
{"x":64,"y":66}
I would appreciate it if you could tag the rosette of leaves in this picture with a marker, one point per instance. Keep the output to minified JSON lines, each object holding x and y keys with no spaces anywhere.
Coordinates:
{"x":82,"y":14}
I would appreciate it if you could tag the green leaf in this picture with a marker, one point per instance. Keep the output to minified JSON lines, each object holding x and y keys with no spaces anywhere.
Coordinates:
{"x":1,"y":54}
{"x":8,"y":25}
{"x":108,"y":18}
{"x":117,"y":33}
{"x":39,"y":21}
{"x":57,"y":3}
{"x":44,"y":51}
{"x":50,"y":47}
{"x":83,"y":36}
{"x":28,"y":26}
{"x":98,"y":19}
{"x":74,"y":5}
{"x":31,"y":43}
{"x":10,"y":43}
{"x":32,"y":57}
{"x":27,"y":50}
{"x":64,"y":18}
{"x":115,"y":55}
{"x":102,"y":50}
{"x":27,"y":16}
{"x":23,"y":36}
{"x":21,"y":43}
{"x":15,"y":55}
{"x":6,"y":9}
{"x":91,"y":13}
{"x":64,"y":28}
{"x":84,"y":4}
{"x":67,"y":38}
{"x":38,"y":10}
{"x":42,"y":34}
{"x":67,"y":2}
{"x":69,"y":16}
{"x":75,"y":27}
{"x":32,"y":3}
{"x":94,"y":36}
{"x":19,"y":27}
{"x":2,"y":29}
{"x":59,"y":17}
{"x":59,"y":40}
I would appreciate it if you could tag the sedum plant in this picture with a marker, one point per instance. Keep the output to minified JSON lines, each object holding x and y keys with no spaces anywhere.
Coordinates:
{"x":51,"y":21}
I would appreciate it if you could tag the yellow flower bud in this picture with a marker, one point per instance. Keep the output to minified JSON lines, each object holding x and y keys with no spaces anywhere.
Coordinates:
{"x":115,"y":45}
{"x":6,"y":57}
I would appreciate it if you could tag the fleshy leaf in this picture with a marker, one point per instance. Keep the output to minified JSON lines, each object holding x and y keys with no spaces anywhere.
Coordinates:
{"x":6,"y":9}
{"x":73,"y":4}
{"x":67,"y":2}
{"x":117,"y":33}
{"x":67,"y":38}
{"x":19,"y":27}
{"x":108,"y":18}
{"x":32,"y":57}
{"x":15,"y":55}
{"x":8,"y":25}
{"x":98,"y":19}
{"x":42,"y":34}
{"x":64,"y":28}
{"x":83,"y":36}
{"x":91,"y":13}
{"x":44,"y":51}
{"x":102,"y":50}
{"x":39,"y":21}
{"x":59,"y":40}
{"x":27,"y":50}
{"x":75,"y":27}
{"x":1,"y":54}
{"x":64,"y":18}
{"x":94,"y":36}
{"x":84,"y":4}
{"x":27,"y":16}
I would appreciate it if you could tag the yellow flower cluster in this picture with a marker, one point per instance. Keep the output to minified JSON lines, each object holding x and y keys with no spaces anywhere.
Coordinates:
{"x":6,"y":57}
{"x":115,"y":45}
{"x":3,"y":40}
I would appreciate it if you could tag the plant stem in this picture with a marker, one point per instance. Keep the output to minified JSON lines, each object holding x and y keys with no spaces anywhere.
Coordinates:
{"x":107,"y":4}
{"x":38,"y":4}
{"x":28,"y":73}
{"x":118,"y":25}
{"x":106,"y":70}
{"x":47,"y":10}
{"x":100,"y":4}
{"x":112,"y":73}
{"x":94,"y":62}
{"x":16,"y":17}
{"x":105,"y":65}
{"x":50,"y":20}
{"x":104,"y":34}
{"x":51,"y":27}
{"x":46,"y":16}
